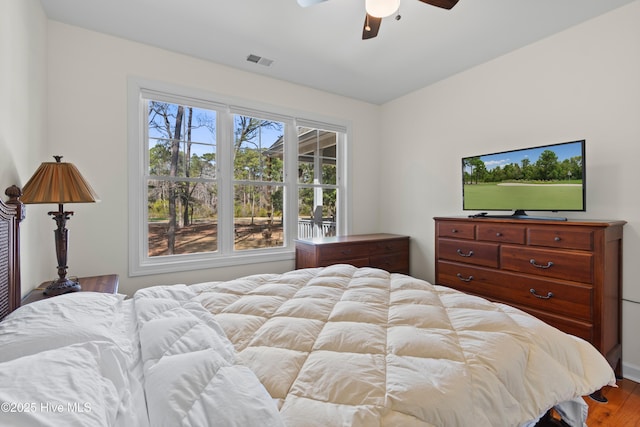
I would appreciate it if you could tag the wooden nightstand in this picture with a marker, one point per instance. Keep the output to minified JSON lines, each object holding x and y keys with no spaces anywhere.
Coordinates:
{"x":107,"y":284}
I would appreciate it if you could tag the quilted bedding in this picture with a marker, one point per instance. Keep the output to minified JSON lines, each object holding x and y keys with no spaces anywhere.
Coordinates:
{"x":341,"y":346}
{"x":93,"y":359}
{"x":338,"y":346}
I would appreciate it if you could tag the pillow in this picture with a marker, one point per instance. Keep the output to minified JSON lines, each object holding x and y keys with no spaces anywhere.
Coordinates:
{"x":78,"y":385}
{"x":63,"y":320}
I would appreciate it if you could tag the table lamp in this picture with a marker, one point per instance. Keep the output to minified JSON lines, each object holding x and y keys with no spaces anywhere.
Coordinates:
{"x":59,"y":182}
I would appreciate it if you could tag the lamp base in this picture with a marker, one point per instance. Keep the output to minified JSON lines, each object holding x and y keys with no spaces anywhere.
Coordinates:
{"x":62,"y":286}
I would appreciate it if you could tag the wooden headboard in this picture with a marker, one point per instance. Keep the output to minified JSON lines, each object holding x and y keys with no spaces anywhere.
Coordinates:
{"x":11,"y":213}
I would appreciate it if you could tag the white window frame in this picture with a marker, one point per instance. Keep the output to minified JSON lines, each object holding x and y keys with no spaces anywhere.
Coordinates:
{"x":139,"y":261}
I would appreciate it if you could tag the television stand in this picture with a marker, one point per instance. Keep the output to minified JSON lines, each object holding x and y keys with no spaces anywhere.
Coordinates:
{"x":578,"y":262}
{"x":519,"y":214}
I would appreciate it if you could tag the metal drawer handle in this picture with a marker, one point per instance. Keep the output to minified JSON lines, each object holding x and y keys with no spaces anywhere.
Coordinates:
{"x":557,"y":238}
{"x":498,"y":234}
{"x":453,"y":230}
{"x":533,"y":292}
{"x":467,"y":279}
{"x":533,"y":262}
{"x":463,"y":254}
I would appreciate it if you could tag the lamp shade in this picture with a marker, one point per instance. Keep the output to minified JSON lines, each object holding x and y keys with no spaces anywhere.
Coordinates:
{"x":57,"y":182}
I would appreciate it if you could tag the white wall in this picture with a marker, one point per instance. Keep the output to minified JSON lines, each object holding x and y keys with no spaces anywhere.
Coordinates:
{"x":581,"y":83}
{"x":87,"y":114}
{"x":23,"y":67}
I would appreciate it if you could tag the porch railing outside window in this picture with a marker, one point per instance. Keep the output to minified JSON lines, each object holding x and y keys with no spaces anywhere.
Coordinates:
{"x":308,"y":228}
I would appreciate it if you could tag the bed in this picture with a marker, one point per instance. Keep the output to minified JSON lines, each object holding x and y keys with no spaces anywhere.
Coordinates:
{"x":332,"y":346}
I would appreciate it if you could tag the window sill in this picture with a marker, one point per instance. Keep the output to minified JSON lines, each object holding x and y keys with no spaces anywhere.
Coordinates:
{"x":159,"y":265}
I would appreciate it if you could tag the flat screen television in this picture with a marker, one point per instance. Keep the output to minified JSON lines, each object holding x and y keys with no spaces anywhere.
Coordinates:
{"x":543,"y":178}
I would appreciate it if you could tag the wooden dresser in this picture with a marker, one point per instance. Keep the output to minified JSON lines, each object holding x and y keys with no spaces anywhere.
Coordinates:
{"x":566,"y":273}
{"x":386,"y":251}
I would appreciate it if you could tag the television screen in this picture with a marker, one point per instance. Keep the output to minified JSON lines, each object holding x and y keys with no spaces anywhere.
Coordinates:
{"x":544,"y":178}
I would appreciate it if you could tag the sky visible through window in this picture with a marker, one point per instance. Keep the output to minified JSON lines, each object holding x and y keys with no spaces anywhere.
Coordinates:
{"x":203,"y":136}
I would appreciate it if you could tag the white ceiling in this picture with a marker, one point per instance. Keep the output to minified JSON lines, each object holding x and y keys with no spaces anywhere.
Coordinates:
{"x":321,"y":46}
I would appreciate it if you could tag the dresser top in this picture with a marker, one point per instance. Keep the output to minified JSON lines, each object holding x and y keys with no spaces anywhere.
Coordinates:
{"x":535,"y":221}
{"x":351,"y":238}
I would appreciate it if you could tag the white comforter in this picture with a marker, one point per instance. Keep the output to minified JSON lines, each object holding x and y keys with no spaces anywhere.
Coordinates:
{"x":343,"y":346}
{"x":338,"y":346}
{"x":92,"y":359}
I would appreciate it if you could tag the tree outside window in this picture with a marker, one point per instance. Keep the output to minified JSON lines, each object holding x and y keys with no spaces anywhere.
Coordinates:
{"x":214,"y":184}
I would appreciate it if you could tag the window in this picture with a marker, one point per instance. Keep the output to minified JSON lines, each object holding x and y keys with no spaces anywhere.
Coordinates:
{"x":213,"y":183}
{"x":258,"y":183}
{"x":181,"y":180}
{"x":317,"y":182}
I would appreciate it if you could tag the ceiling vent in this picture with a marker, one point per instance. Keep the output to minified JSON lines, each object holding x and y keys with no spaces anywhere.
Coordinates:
{"x":260,"y":60}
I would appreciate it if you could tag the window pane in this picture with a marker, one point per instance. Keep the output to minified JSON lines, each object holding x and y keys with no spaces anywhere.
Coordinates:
{"x":258,"y":216}
{"x":180,"y":138}
{"x":317,"y":171}
{"x":329,"y":173}
{"x":258,"y":149}
{"x":195,"y":227}
{"x":316,"y":212}
{"x":316,"y":156}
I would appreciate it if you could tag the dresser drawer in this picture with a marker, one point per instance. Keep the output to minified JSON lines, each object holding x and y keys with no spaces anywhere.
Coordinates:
{"x":571,"y":300}
{"x":342,"y":252}
{"x":459,"y":230}
{"x":561,"y":238}
{"x":356,"y":262}
{"x":575,"y":327}
{"x":477,"y":253}
{"x":501,"y":233}
{"x":396,"y":263}
{"x":390,"y":247}
{"x":568,"y":265}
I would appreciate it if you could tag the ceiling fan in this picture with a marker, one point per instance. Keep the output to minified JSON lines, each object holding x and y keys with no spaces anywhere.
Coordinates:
{"x":378,"y":9}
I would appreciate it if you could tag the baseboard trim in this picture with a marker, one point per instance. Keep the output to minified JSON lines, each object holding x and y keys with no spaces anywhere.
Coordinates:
{"x":631,"y":372}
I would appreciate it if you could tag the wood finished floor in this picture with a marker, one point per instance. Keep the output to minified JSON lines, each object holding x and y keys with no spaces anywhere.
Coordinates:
{"x":622,"y":410}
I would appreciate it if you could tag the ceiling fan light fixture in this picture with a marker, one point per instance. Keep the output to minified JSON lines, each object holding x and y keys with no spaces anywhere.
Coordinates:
{"x":381,"y":8}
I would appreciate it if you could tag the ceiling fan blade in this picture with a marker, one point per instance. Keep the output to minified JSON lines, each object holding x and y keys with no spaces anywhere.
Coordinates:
{"x":445,"y":4}
{"x":305,"y":3}
{"x":371,"y":27}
